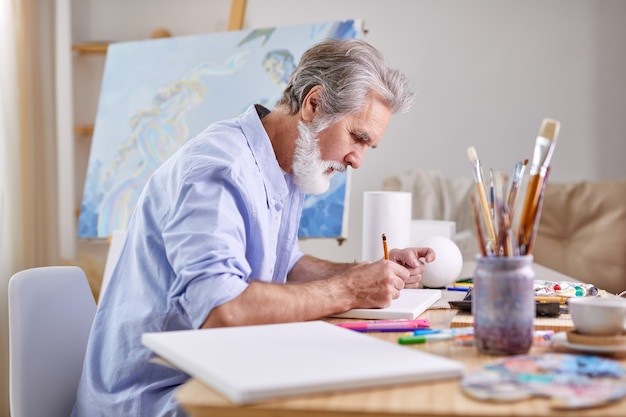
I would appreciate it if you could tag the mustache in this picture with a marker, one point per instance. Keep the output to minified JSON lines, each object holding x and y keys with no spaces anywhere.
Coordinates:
{"x":335,"y":166}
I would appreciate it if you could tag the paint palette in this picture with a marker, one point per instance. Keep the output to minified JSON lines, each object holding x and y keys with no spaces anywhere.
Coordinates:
{"x":570,"y":381}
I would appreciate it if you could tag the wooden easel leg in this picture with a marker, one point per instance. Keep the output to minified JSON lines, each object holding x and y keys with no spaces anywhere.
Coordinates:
{"x":237,"y":11}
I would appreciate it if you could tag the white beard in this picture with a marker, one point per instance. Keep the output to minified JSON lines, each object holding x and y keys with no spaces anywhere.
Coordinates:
{"x":310,"y":173}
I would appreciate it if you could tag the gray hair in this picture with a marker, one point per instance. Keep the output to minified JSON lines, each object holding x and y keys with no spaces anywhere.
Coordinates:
{"x":349,"y":71}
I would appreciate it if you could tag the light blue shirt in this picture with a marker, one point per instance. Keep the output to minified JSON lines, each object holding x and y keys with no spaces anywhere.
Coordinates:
{"x":217,"y":215}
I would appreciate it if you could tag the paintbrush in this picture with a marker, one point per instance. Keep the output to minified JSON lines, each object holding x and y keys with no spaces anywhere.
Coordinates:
{"x":535,"y":226}
{"x":482,"y":196}
{"x":479,"y":230}
{"x":518,"y":173}
{"x":544,"y":148}
{"x":500,"y":211}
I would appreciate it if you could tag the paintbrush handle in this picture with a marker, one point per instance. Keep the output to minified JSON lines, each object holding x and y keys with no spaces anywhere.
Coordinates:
{"x":512,"y":197}
{"x":484,"y":207}
{"x":533,"y":235}
{"x":529,"y":210}
{"x":479,"y":231}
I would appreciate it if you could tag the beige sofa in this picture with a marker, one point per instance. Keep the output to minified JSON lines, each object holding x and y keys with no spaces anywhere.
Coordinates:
{"x":582,"y":229}
{"x":582,"y":232}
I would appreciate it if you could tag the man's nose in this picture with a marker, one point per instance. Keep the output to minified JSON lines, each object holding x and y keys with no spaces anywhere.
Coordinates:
{"x":355,"y":158}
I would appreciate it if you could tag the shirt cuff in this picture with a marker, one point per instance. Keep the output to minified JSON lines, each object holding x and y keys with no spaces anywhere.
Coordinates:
{"x":203,"y":295}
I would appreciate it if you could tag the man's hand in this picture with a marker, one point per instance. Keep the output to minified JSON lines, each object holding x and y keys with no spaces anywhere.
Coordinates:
{"x":374,"y":285}
{"x":413,"y":259}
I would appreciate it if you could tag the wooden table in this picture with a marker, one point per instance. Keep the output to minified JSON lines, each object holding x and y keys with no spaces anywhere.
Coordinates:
{"x":434,"y":398}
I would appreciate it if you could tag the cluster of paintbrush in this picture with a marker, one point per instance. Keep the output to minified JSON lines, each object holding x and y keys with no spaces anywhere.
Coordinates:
{"x":507,"y":220}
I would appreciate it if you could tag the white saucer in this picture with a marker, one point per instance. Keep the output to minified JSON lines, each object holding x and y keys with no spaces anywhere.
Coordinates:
{"x":561,"y":339}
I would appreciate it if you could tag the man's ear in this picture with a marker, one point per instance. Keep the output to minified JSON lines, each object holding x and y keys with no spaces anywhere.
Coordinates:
{"x":310,"y":104}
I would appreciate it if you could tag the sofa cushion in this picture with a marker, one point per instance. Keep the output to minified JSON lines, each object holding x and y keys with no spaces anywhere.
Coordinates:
{"x":582,"y":232}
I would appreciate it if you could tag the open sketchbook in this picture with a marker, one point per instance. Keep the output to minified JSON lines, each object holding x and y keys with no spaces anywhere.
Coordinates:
{"x":410,"y":304}
{"x":254,"y":363}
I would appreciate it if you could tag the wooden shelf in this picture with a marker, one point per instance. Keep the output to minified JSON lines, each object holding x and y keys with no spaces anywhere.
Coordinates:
{"x":91,"y":48}
{"x":85,"y":130}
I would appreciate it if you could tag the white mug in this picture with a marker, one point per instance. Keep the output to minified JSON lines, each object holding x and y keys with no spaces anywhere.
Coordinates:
{"x":598,"y":315}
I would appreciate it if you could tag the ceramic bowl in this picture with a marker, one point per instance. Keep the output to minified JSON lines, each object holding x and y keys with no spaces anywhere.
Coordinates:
{"x":598,"y":315}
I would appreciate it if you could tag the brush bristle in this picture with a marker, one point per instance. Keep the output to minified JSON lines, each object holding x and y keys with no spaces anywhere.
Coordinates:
{"x":549,"y":129}
{"x":471,"y":154}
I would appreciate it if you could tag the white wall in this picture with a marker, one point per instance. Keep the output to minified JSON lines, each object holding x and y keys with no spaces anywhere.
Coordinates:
{"x":486,"y":72}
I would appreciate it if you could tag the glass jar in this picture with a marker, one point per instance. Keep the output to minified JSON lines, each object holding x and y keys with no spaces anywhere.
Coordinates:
{"x":503,"y":304}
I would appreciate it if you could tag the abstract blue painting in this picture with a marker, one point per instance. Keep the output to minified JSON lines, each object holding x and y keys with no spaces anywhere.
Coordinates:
{"x":158,"y":93}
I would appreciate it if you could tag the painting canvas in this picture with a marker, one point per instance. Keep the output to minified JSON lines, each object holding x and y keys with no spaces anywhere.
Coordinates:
{"x":158,"y":93}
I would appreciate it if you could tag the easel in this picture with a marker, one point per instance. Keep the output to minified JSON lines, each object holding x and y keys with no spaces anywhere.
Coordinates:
{"x":235,"y":22}
{"x":237,"y":11}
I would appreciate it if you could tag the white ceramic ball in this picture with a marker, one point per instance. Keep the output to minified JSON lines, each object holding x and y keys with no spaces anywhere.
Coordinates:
{"x":446,"y":267}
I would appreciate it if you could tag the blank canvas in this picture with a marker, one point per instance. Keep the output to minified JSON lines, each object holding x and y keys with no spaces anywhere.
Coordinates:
{"x":254,"y":363}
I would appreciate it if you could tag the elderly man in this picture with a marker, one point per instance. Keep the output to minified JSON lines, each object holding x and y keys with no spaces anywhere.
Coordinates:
{"x":213,"y":239}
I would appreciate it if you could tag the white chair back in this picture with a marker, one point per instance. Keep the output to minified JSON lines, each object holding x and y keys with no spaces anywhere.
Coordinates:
{"x":51,"y":310}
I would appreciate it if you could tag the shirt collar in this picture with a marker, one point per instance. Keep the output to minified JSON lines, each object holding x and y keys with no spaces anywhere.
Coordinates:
{"x":274,"y":178}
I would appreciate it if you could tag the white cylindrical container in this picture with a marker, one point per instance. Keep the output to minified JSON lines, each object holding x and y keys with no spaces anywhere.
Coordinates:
{"x":387,"y":212}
